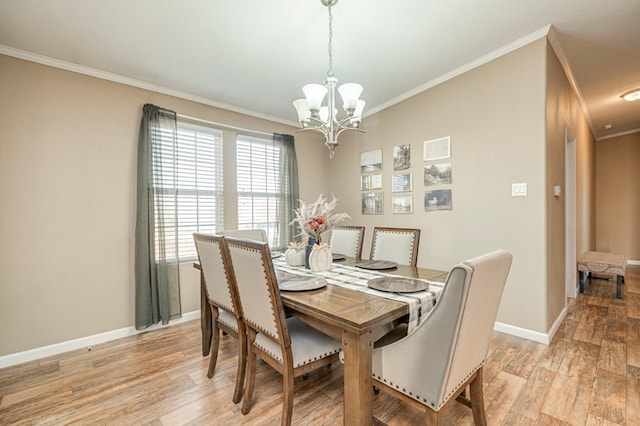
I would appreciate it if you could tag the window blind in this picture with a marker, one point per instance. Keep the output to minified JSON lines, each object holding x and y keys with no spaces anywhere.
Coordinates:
{"x":259,"y":185}
{"x":188,"y":183}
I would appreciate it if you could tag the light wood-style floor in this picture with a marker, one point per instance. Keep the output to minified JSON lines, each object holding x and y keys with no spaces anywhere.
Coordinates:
{"x":588,"y":375}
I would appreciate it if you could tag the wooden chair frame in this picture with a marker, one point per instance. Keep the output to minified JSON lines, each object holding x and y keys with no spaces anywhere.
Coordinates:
{"x":416,"y":241}
{"x":288,"y":371}
{"x":359,"y":229}
{"x":235,"y":310}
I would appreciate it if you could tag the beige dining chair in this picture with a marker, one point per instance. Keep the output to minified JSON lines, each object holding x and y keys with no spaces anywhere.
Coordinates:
{"x":288,"y":345}
{"x":399,"y":245}
{"x":433,"y":365}
{"x":346,"y":240}
{"x":249,"y":234}
{"x":222,"y":294}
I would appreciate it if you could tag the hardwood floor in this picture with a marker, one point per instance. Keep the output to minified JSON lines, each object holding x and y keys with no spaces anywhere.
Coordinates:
{"x":588,"y":375}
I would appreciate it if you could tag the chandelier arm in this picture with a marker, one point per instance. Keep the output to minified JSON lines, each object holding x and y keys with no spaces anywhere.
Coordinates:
{"x":348,"y":128}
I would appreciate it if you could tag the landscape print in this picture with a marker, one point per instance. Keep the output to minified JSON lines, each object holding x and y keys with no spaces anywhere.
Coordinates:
{"x":437,"y":174}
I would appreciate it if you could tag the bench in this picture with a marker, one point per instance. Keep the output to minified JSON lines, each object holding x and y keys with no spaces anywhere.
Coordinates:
{"x":602,"y":264}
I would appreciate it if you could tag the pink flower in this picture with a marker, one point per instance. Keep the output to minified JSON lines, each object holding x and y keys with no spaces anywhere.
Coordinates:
{"x":321,"y":219}
{"x":314,"y":225}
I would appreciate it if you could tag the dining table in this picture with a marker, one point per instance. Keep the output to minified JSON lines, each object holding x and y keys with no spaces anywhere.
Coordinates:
{"x":355,"y":316}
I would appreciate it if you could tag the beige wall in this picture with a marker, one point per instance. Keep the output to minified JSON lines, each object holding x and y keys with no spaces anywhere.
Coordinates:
{"x":495,"y":115}
{"x":563,"y":110}
{"x":618,"y":194}
{"x":67,"y":185}
{"x":67,"y":191}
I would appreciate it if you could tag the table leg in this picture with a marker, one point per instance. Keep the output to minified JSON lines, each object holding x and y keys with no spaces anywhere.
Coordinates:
{"x":582,"y":278}
{"x":358,"y":386}
{"x":205,"y":318}
{"x":619,"y":282}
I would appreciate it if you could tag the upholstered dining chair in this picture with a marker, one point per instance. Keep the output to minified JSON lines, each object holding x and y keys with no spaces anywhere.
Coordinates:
{"x":248,"y":234}
{"x":290,"y":346}
{"x":433,"y":365}
{"x":399,"y":245}
{"x":222,"y":294}
{"x":346,"y":240}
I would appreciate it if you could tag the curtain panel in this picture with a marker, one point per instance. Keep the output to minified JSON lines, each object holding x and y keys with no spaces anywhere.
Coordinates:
{"x":289,"y":188}
{"x":157,"y":278}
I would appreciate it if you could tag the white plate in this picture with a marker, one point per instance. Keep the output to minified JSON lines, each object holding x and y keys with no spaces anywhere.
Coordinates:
{"x":377,"y":264}
{"x":302,"y":284}
{"x":398,"y":284}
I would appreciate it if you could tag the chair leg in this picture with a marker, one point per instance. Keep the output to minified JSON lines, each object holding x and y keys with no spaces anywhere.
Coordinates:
{"x":434,"y":418}
{"x":477,"y":400}
{"x":251,"y":373}
{"x":287,"y":391}
{"x":215,"y":343}
{"x":242,"y":365}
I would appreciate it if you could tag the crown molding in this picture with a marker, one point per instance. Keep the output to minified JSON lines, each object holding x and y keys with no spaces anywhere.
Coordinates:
{"x":117,"y":78}
{"x":508,"y":48}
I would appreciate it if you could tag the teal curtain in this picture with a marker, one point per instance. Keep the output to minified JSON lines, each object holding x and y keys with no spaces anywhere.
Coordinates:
{"x":157,"y":278}
{"x":289,"y":187}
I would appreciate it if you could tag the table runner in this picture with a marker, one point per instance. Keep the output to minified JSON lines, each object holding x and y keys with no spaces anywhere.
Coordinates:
{"x":355,"y":278}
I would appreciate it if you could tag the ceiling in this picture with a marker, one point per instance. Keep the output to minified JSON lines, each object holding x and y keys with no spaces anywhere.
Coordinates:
{"x":253,"y":56}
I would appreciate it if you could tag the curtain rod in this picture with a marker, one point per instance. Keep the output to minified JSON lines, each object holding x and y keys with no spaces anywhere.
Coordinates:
{"x":226,"y":126}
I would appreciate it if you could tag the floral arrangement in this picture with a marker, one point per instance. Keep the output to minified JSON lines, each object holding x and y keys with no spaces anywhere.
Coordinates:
{"x":316,"y":218}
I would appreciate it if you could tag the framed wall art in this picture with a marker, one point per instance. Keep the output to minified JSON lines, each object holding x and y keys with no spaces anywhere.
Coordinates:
{"x":437,"y":149}
{"x":401,"y":157}
{"x":371,"y":161}
{"x":402,"y":204}
{"x":437,"y":173}
{"x":437,"y":199}
{"x":401,"y":182}
{"x":372,"y":202}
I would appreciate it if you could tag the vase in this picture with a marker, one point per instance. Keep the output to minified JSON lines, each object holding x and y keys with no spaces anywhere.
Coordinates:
{"x":294,"y":256}
{"x":320,"y":259}
{"x":307,"y":251}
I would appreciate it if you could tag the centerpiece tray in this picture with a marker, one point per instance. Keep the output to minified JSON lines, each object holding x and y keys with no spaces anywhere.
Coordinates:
{"x":398,"y":284}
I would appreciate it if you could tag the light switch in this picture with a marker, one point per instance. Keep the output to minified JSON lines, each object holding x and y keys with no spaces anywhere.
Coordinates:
{"x":519,"y":189}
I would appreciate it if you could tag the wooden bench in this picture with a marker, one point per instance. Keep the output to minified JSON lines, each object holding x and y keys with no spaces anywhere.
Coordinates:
{"x":602,"y":264}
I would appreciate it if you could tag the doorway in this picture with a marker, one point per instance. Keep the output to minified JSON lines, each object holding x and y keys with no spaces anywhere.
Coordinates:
{"x":571,"y":280}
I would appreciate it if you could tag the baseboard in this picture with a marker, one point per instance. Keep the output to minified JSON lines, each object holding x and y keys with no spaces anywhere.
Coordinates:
{"x":85,"y":342}
{"x":536,"y":336}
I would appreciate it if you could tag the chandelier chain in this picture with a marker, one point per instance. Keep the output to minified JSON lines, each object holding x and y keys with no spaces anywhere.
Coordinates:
{"x":330,"y":47}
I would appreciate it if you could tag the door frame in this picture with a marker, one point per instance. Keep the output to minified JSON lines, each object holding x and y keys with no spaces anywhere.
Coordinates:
{"x":571,"y":274}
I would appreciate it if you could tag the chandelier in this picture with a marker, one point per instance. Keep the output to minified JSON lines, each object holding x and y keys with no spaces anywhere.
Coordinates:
{"x":312,"y":115}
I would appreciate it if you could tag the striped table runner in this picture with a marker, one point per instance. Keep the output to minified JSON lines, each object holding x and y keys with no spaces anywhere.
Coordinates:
{"x":356,"y":279}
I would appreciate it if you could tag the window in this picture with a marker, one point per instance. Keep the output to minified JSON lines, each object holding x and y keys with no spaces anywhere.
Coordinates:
{"x":265,"y":187}
{"x":189,"y":187}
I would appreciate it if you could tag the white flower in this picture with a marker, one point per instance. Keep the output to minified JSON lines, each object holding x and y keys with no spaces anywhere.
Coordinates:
{"x":316,"y":218}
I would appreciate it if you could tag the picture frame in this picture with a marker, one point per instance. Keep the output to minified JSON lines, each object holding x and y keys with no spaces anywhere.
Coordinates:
{"x":371,"y":161}
{"x":365,"y":182}
{"x":437,"y":199}
{"x":437,"y":149}
{"x":376,"y":181}
{"x":401,"y":182}
{"x":373,"y":202}
{"x":402,"y":204}
{"x":437,"y":174}
{"x":401,"y":157}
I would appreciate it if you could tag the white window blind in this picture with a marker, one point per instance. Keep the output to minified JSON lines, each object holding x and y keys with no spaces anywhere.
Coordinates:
{"x":188,"y":186}
{"x":259,"y":185}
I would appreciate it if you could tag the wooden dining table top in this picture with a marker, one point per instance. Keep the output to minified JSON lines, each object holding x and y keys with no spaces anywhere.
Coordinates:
{"x":354,"y":310}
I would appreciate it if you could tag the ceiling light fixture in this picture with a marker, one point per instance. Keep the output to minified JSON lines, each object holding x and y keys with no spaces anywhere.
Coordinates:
{"x":313,"y":116}
{"x":633,"y":95}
